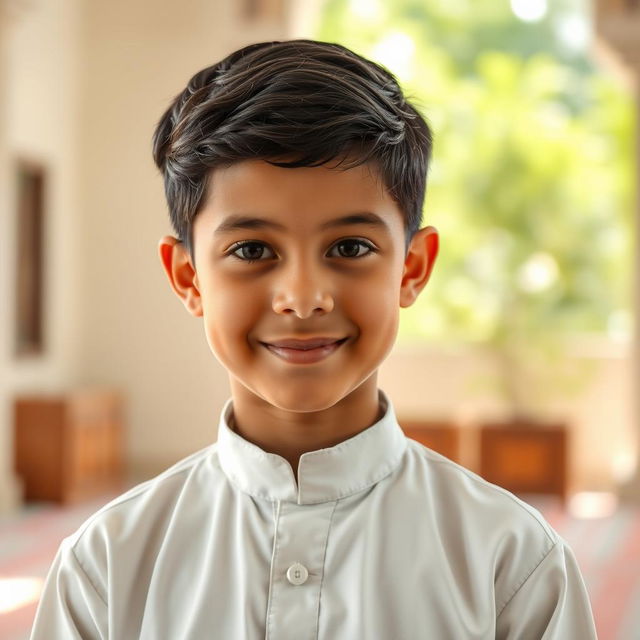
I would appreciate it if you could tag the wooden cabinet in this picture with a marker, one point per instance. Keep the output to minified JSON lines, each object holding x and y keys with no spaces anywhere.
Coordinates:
{"x":440,"y":436}
{"x":524,"y":459}
{"x":69,"y":446}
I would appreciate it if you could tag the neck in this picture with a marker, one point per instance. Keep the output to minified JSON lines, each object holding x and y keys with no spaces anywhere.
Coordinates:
{"x":290,"y":434}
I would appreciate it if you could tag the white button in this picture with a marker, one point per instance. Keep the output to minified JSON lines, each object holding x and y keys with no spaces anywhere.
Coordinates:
{"x":297,"y":574}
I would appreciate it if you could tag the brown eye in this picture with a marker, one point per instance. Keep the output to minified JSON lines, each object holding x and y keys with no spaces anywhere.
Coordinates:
{"x":353,"y":248}
{"x":250,"y":251}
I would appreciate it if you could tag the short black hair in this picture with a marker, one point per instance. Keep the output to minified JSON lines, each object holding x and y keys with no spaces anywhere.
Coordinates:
{"x":307,"y":101}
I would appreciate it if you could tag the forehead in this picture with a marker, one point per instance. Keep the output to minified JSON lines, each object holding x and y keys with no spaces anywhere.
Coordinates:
{"x":304,"y":197}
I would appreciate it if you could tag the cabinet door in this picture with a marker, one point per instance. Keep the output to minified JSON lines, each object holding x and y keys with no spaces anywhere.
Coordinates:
{"x":525,"y":460}
{"x":39,"y":447}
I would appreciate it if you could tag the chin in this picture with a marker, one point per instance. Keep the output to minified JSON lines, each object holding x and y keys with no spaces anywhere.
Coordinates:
{"x":303,"y":401}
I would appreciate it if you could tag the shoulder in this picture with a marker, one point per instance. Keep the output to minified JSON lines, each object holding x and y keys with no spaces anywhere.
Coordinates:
{"x":479,"y":524}
{"x":147,"y":508}
{"x":459,"y":497}
{"x":118,"y":547}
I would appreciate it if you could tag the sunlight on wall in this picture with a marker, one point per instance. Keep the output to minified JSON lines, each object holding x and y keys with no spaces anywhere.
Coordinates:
{"x":593,"y":504}
{"x":18,"y":592}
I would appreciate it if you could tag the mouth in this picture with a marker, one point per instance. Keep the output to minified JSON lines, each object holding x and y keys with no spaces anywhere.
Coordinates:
{"x":304,"y":351}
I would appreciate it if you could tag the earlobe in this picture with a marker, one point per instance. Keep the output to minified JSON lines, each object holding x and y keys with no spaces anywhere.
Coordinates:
{"x":418,"y":264}
{"x":180,"y":273}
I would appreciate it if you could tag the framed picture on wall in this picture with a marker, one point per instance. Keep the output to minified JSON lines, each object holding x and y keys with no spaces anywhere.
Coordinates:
{"x":30,"y":201}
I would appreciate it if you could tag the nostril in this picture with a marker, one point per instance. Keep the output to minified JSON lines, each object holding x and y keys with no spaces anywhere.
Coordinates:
{"x":304,"y":305}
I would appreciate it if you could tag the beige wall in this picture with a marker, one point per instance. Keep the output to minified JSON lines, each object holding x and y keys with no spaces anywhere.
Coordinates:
{"x":42,"y":110}
{"x":7,"y":486}
{"x":439,"y":382}
{"x":135,"y":334}
{"x":40,"y":99}
{"x":84,"y":85}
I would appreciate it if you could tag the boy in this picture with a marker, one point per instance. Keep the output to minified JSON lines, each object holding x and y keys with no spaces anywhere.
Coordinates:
{"x":295,"y":174}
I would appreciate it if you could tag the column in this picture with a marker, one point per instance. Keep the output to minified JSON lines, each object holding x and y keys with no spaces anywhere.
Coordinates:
{"x":9,"y":487}
{"x":630,"y":491}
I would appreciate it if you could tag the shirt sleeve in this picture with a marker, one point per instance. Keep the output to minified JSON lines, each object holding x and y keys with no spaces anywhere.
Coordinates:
{"x":70,"y":607}
{"x":551,"y":604}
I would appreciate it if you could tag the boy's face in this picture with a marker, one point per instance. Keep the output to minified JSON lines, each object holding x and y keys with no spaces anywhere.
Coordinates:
{"x":298,"y":254}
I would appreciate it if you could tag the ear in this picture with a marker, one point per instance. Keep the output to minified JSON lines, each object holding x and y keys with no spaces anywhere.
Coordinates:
{"x":182,"y":276}
{"x":418,"y":264}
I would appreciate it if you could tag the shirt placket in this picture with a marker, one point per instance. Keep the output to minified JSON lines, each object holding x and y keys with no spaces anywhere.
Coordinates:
{"x":297,"y":570}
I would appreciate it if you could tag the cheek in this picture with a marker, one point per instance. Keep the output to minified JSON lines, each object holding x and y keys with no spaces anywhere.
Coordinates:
{"x":376,"y":310}
{"x":229,"y":315}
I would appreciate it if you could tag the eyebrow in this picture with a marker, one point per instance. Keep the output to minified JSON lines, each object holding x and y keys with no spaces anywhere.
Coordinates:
{"x":238,"y":222}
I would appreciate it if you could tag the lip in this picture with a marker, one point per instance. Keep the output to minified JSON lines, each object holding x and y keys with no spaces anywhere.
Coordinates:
{"x":307,"y":351}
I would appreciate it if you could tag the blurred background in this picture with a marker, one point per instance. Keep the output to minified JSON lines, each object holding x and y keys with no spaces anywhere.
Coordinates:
{"x":520,"y":359}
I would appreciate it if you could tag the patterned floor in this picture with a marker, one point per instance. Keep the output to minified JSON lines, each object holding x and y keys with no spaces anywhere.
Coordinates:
{"x":607,"y":549}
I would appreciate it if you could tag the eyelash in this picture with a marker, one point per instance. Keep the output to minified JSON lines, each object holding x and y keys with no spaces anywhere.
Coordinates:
{"x":246,"y":243}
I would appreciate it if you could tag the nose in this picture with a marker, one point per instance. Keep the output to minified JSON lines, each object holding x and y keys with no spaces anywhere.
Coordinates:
{"x":302,"y":291}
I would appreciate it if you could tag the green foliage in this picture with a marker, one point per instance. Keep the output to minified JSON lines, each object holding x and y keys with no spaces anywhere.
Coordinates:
{"x":531,"y":183}
{"x":531,"y":186}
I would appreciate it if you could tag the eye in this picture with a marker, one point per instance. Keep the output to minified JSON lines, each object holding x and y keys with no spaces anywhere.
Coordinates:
{"x":250,"y":251}
{"x":353,"y":248}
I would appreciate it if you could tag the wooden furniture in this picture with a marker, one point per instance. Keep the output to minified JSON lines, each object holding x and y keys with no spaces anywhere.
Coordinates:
{"x":440,"y":436}
{"x":525,"y":459}
{"x":69,"y":446}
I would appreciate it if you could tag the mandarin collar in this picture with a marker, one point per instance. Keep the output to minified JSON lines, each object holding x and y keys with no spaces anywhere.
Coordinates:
{"x":323,"y":475}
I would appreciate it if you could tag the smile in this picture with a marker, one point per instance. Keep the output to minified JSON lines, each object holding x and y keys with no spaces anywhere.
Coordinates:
{"x":304,"y":353}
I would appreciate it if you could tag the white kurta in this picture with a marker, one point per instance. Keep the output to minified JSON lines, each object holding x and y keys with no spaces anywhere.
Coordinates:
{"x":380,"y":539}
